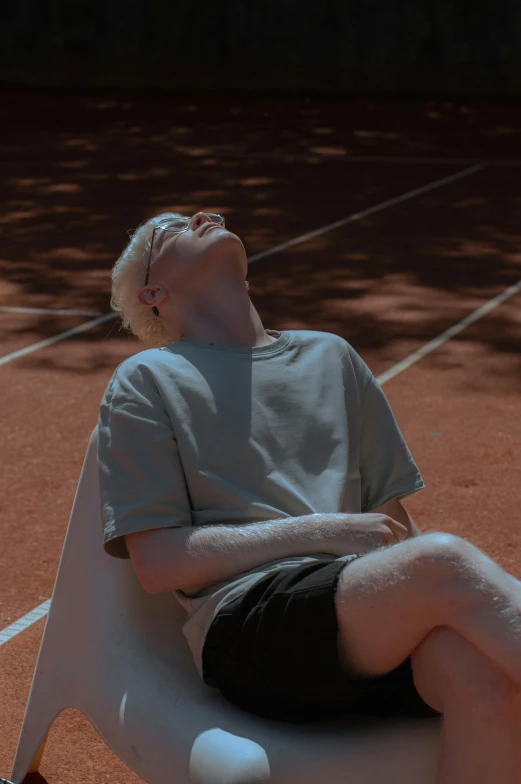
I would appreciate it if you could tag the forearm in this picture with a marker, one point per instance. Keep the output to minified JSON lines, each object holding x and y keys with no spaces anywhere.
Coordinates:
{"x":208,"y":554}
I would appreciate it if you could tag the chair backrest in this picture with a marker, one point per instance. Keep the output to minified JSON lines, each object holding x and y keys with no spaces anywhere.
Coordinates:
{"x":98,"y":597}
{"x":118,"y":655}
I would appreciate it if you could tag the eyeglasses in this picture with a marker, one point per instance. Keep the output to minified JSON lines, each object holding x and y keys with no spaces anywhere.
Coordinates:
{"x":176,"y":226}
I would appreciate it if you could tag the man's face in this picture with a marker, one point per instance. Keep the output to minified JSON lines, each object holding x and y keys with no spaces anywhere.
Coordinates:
{"x":204,"y":254}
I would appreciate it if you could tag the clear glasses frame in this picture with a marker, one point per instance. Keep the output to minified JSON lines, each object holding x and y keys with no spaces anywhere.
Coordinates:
{"x":177,"y":226}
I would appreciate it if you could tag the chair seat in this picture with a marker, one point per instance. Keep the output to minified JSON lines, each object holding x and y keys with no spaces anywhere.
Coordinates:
{"x":118,"y":655}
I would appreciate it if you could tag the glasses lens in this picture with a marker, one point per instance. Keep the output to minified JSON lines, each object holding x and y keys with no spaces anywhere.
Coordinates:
{"x":179,"y":224}
{"x":216,"y":218}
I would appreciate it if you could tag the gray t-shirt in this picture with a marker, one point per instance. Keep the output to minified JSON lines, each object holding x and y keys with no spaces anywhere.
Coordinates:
{"x":192,"y":434}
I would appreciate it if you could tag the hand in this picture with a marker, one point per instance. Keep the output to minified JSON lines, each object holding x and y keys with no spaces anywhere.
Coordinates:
{"x":363,"y":533}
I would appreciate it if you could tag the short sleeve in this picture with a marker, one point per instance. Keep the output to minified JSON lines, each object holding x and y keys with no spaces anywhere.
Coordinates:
{"x":142,"y":482}
{"x":387,"y":467}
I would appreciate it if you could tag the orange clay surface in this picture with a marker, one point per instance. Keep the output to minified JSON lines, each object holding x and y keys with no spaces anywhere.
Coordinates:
{"x":80,"y":170}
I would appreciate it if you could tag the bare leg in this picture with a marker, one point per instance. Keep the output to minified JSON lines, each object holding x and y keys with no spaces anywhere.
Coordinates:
{"x":479,"y":749}
{"x":390,"y":599}
{"x":457,"y":614}
{"x":481,"y":706}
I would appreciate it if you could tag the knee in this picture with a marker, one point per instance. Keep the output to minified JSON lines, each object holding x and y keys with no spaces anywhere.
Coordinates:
{"x":449,"y":564}
{"x":448,"y":668}
{"x":444,"y":551}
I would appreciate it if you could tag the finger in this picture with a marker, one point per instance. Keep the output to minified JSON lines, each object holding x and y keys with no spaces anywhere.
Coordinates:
{"x":400,"y":530}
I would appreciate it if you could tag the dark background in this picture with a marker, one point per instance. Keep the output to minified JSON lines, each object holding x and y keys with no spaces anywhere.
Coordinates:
{"x":409,"y":46}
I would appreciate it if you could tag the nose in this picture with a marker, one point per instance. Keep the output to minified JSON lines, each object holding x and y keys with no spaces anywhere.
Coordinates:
{"x":199,"y":218}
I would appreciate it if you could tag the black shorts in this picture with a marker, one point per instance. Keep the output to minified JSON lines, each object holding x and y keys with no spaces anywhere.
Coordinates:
{"x":273,"y":652}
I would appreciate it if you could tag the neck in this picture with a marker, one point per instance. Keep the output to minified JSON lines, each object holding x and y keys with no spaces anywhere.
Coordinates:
{"x":235,"y":323}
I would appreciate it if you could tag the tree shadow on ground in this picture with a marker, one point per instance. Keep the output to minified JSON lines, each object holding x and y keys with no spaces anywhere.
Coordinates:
{"x":90,"y":171}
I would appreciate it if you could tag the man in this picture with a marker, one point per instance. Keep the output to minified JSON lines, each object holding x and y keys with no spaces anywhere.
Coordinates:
{"x":258,"y":474}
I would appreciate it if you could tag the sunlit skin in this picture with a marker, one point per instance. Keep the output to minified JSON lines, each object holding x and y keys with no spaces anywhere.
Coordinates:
{"x":435,"y":598}
{"x":197,"y":282}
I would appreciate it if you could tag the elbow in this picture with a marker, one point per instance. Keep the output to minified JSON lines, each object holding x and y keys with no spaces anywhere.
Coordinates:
{"x":155,"y":560}
{"x":147,"y":571}
{"x":151,"y":587}
{"x":154,"y":579}
{"x":148,"y":578}
{"x":160,"y":561}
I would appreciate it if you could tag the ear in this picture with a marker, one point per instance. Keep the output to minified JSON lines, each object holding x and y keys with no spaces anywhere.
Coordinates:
{"x":152,"y":295}
{"x":144,"y":296}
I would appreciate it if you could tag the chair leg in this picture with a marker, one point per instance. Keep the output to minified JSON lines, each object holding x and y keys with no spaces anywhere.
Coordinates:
{"x":34,"y":765}
{"x":31,"y":778}
{"x":29,"y":752}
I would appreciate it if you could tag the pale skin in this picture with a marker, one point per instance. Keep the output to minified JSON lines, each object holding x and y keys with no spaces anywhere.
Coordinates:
{"x":197,"y":283}
{"x":434,"y":597}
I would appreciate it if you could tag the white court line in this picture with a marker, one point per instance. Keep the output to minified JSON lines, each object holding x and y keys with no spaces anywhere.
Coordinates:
{"x":432,"y":345}
{"x":290,"y":243}
{"x":314,"y":156}
{"x":195,"y":154}
{"x":49,"y":311}
{"x":370,"y":211}
{"x":18,"y":626}
{"x":34,"y":615}
{"x":333,"y":157}
{"x":31,"y":617}
{"x":60,"y":336}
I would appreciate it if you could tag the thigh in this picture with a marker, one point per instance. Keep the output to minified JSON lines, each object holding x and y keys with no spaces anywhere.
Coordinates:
{"x":388,"y":601}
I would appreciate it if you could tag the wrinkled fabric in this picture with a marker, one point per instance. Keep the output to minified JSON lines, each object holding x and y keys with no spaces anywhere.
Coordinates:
{"x":192,"y":434}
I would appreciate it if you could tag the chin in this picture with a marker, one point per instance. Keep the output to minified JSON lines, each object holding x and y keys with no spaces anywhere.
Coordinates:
{"x":221,"y":234}
{"x":215,"y":230}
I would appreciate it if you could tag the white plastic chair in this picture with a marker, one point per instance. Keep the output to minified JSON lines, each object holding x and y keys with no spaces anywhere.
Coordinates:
{"x":118,"y":655}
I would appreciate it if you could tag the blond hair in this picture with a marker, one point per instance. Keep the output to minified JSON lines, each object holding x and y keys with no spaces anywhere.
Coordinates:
{"x":128,"y":278}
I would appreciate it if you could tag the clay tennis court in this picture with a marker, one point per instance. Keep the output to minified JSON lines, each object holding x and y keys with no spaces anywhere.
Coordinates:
{"x":393,"y":224}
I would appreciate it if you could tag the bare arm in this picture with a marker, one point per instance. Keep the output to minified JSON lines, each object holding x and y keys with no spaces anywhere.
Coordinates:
{"x":167,"y":559}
